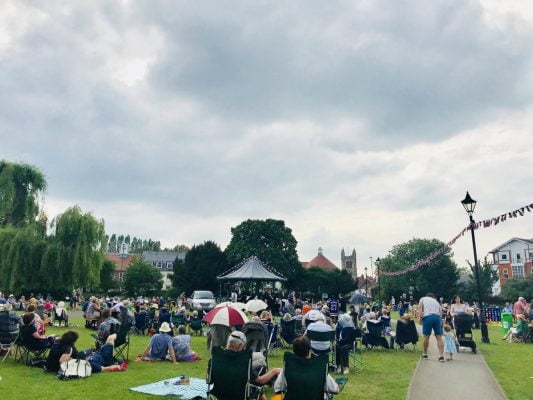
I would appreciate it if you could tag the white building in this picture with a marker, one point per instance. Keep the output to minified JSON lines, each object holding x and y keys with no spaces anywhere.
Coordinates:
{"x":164,"y":261}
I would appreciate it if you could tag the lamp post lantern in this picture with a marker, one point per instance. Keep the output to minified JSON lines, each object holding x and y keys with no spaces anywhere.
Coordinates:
{"x":378,"y":260}
{"x":470,"y":204}
{"x":366,"y":281}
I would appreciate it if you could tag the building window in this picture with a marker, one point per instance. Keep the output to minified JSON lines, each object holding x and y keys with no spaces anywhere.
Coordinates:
{"x":169,"y":264}
{"x":518,"y":256}
{"x":505,"y":274}
{"x":530,"y":257}
{"x":518,"y":271}
{"x":504,"y":256}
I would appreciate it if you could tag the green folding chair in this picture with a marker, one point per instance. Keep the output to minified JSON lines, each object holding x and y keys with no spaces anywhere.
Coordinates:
{"x":229,"y":374}
{"x":305,"y":377}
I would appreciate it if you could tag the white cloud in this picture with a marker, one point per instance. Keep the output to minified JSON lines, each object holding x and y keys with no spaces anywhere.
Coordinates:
{"x":361,"y":124}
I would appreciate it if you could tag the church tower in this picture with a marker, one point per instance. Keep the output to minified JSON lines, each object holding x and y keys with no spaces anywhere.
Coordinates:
{"x":349,"y":263}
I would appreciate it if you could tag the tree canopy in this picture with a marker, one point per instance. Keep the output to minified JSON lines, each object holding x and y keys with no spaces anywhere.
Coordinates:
{"x":271,"y":241}
{"x":71,"y":257}
{"x":200,"y":269}
{"x":514,"y":288}
{"x":20,"y":185}
{"x":317,"y":281}
{"x":141,"y":277}
{"x":439,"y":276}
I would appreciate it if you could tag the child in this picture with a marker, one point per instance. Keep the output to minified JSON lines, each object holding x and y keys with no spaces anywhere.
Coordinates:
{"x":450,"y":342}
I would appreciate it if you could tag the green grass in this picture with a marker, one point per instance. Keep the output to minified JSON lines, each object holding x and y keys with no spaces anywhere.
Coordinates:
{"x":511,"y":363}
{"x":386,"y":375}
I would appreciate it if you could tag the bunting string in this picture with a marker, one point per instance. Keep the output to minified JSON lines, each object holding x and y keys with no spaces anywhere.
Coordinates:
{"x":487,"y":223}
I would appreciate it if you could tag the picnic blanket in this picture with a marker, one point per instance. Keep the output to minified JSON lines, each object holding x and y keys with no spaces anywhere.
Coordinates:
{"x":197,"y":389}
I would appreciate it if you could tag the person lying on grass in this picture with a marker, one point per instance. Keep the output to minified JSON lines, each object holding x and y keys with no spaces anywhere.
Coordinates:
{"x":64,"y":349}
{"x":160,"y":346}
{"x":182,"y":346}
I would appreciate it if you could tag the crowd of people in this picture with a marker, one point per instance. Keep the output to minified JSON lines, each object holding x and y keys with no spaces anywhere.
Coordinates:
{"x":300,"y":323}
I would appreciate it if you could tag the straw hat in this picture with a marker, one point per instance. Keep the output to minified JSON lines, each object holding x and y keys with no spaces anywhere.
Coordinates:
{"x":165,"y":327}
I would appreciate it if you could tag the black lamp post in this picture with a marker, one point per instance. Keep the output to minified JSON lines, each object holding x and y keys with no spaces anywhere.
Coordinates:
{"x":470,"y":204}
{"x":366,"y":282}
{"x":378,"y":260}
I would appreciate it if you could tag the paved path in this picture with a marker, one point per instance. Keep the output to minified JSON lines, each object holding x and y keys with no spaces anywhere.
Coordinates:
{"x":466,"y":377}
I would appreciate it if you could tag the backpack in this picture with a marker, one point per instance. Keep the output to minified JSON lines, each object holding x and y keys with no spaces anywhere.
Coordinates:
{"x":74,"y":369}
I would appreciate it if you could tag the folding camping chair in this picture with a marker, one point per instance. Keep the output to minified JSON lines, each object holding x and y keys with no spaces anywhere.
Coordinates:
{"x":375,"y":336}
{"x":229,"y":374}
{"x":8,"y":346}
{"x":26,"y":354}
{"x":196,"y":325}
{"x":61,"y":317}
{"x":353,"y":335}
{"x":298,"y":327}
{"x":274,"y":342}
{"x":406,"y":334}
{"x":324,"y":337}
{"x":122,"y":343}
{"x":288,"y":331}
{"x":140,"y":322}
{"x":305,"y":377}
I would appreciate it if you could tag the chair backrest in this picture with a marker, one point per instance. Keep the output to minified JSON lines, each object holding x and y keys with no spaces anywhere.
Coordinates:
{"x":141,"y":320}
{"x":375,"y":329}
{"x":256,"y":336}
{"x":229,"y":372}
{"x":406,"y":332}
{"x":122,"y":335}
{"x":196,"y":324}
{"x":321,"y":336}
{"x":288,"y":329}
{"x":298,"y":327}
{"x":348,"y":334}
{"x":306,"y":377}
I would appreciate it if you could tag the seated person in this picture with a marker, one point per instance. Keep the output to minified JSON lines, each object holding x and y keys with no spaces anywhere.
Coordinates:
{"x":302,"y":348}
{"x":164,"y":315}
{"x":141,"y":319}
{"x":37,"y":320}
{"x":32,"y":339}
{"x":108,"y":326}
{"x":64,"y":350}
{"x":10,"y":323}
{"x":182,"y":346}
{"x":160,"y":347}
{"x":125,"y":316}
{"x":237,"y":342}
{"x":61,"y":313}
{"x":345,"y":335}
{"x":93,"y":309}
{"x":196,"y":322}
{"x":319,"y":325}
{"x":516,"y":333}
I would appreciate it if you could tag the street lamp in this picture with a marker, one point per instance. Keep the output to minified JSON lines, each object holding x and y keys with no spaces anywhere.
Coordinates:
{"x":378,"y":260}
{"x":366,"y":281}
{"x":470,"y":204}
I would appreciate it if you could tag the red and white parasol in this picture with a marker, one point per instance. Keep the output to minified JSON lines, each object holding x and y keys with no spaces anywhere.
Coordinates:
{"x":225,"y":315}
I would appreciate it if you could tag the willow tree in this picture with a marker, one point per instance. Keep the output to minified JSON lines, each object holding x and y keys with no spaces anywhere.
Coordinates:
{"x":20,"y":186}
{"x":75,"y":252}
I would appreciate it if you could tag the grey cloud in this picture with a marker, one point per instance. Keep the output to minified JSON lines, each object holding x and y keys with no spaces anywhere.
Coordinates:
{"x":411,"y":71}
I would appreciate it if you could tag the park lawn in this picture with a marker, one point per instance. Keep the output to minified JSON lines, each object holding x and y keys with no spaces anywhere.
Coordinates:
{"x":511,"y":363}
{"x":386,"y":374}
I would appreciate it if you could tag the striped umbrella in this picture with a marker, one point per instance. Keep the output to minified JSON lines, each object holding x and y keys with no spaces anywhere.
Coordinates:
{"x":225,"y":315}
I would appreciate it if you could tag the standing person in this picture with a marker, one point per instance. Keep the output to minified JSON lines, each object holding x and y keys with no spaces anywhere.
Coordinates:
{"x":429,"y":316}
{"x":457,"y":307}
{"x":519,"y":307}
{"x":450,"y":342}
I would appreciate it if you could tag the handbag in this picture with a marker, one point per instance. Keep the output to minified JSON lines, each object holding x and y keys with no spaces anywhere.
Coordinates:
{"x":73,"y":369}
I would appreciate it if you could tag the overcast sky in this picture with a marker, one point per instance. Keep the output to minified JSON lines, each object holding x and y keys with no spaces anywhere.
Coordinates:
{"x":360,"y":123}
